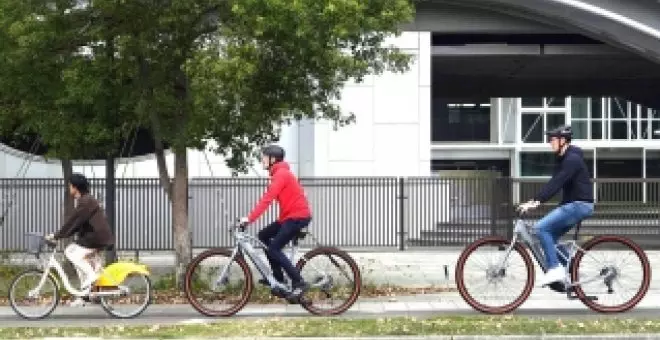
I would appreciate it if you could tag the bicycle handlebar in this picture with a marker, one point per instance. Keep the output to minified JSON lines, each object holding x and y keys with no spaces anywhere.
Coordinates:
{"x":49,"y":243}
{"x":238,"y":226}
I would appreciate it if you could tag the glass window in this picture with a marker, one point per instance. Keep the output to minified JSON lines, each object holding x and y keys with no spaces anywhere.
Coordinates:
{"x":532,"y":128}
{"x":556,"y":101}
{"x":531,"y":102}
{"x":596,"y":130}
{"x":645,"y":130}
{"x":579,"y":107}
{"x":596,"y":108}
{"x":536,"y":163}
{"x":619,"y":129}
{"x":554,"y":120}
{"x":655,"y":129}
{"x":580,"y":129}
{"x":655,"y":114}
{"x":618,"y":108}
{"x":460,"y":122}
{"x":634,"y":133}
{"x":643,"y":112}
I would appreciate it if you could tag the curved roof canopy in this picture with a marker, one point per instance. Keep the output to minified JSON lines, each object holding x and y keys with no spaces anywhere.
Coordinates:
{"x":631,"y":24}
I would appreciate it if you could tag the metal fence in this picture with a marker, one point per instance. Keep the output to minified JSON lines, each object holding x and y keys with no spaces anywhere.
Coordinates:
{"x":366,"y":212}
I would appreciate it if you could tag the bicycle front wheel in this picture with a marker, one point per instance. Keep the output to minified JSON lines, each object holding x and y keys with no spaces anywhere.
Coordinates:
{"x":209,"y":291}
{"x":482,"y":268}
{"x":612,"y":274}
{"x":132,"y":298}
{"x":334,"y":280}
{"x":31,"y":304}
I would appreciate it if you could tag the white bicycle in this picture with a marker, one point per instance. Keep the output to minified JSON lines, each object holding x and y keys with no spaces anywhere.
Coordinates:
{"x":41,"y":285}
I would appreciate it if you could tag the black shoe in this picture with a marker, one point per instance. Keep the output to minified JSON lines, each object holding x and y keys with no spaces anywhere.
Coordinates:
{"x":299,"y":289}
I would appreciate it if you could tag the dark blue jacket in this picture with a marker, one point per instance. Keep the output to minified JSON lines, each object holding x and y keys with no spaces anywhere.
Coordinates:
{"x":572,"y":176}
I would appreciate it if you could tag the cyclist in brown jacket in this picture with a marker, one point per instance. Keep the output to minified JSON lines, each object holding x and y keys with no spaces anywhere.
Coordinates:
{"x":89,"y":223}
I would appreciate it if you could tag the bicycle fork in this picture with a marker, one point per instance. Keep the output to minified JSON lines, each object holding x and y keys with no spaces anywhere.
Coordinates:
{"x":45,"y":267}
{"x":499,"y":270}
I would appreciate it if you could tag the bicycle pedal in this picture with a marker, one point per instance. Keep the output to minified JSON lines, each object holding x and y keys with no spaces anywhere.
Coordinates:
{"x":589,"y":297}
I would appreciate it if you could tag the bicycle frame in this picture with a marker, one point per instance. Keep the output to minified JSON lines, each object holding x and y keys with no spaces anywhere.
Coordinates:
{"x":521,"y":234}
{"x":244,"y":246}
{"x":51,"y":263}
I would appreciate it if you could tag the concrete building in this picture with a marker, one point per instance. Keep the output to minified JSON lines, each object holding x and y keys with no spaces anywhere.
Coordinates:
{"x":488,"y":77}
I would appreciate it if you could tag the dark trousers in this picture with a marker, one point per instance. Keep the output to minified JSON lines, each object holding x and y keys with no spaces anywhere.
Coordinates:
{"x":277,"y":235}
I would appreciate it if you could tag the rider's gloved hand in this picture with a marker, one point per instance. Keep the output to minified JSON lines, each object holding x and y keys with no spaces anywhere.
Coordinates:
{"x":524,"y":207}
{"x":243,"y":222}
{"x":50,"y":237}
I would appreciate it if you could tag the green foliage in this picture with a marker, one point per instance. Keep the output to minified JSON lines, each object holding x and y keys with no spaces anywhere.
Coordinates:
{"x":49,"y":88}
{"x":194,"y":71}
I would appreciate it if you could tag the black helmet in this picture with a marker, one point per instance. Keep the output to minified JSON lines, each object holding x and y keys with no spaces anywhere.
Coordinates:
{"x":562,"y":131}
{"x":274,"y":151}
{"x":80,"y":182}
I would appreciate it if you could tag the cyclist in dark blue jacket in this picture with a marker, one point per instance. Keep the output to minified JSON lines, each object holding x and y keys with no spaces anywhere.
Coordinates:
{"x":570,"y":175}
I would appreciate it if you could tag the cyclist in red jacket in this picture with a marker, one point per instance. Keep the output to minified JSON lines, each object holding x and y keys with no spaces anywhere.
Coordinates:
{"x":294,"y":215}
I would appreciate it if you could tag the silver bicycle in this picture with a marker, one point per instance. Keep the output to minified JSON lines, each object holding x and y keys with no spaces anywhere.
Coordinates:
{"x":589,"y":279}
{"x":225,"y":280}
{"x":41,"y":285}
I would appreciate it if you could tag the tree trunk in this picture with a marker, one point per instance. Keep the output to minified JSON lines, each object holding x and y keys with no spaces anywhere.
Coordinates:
{"x":182,"y":246}
{"x":159,"y":150}
{"x":163,"y":174}
{"x":67,"y":210}
{"x":67,"y":171}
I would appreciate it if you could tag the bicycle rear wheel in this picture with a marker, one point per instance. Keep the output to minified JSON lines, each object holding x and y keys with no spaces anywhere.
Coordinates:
{"x":213,"y":298}
{"x":333,"y":276}
{"x":489,"y":275}
{"x":628,"y":264}
{"x":133,"y":300}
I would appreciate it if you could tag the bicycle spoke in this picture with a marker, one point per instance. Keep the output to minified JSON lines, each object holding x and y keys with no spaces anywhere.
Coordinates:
{"x":618,"y":276}
{"x":334,"y":281}
{"x":29,"y":302}
{"x":500,"y":281}
{"x":213,"y":295}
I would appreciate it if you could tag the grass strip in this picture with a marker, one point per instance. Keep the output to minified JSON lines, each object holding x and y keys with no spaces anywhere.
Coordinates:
{"x":333,"y":327}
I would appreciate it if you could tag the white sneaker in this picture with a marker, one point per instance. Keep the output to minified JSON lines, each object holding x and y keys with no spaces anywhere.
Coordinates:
{"x":78,"y":302}
{"x":556,"y":274}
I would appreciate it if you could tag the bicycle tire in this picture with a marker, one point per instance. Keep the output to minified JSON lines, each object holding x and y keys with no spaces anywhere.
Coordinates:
{"x":49,"y":278}
{"x":247,"y":287}
{"x":495,"y":241}
{"x":646,"y":280}
{"x":357,"y":285}
{"x":108,"y":309}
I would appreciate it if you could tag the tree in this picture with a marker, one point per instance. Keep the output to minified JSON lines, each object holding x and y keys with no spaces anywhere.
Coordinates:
{"x":196,"y":71}
{"x":51,"y":87}
{"x":233,"y":71}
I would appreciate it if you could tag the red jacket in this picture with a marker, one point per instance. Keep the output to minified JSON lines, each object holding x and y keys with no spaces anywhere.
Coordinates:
{"x":284,"y":188}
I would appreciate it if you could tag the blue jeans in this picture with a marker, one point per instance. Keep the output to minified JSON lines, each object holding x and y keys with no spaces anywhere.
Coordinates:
{"x":557,"y":223}
{"x":275,"y":236}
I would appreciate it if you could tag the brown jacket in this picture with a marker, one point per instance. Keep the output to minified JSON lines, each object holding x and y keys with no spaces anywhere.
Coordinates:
{"x":89,"y":222}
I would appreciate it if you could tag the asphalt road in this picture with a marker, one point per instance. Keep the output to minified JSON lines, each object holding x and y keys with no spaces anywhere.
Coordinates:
{"x":184,"y":314}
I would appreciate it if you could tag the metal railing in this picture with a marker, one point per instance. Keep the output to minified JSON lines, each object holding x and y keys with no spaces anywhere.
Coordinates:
{"x":365,"y":212}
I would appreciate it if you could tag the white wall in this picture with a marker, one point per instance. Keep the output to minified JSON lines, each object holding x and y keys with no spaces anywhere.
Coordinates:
{"x":391,"y":137}
{"x":392,"y":132}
